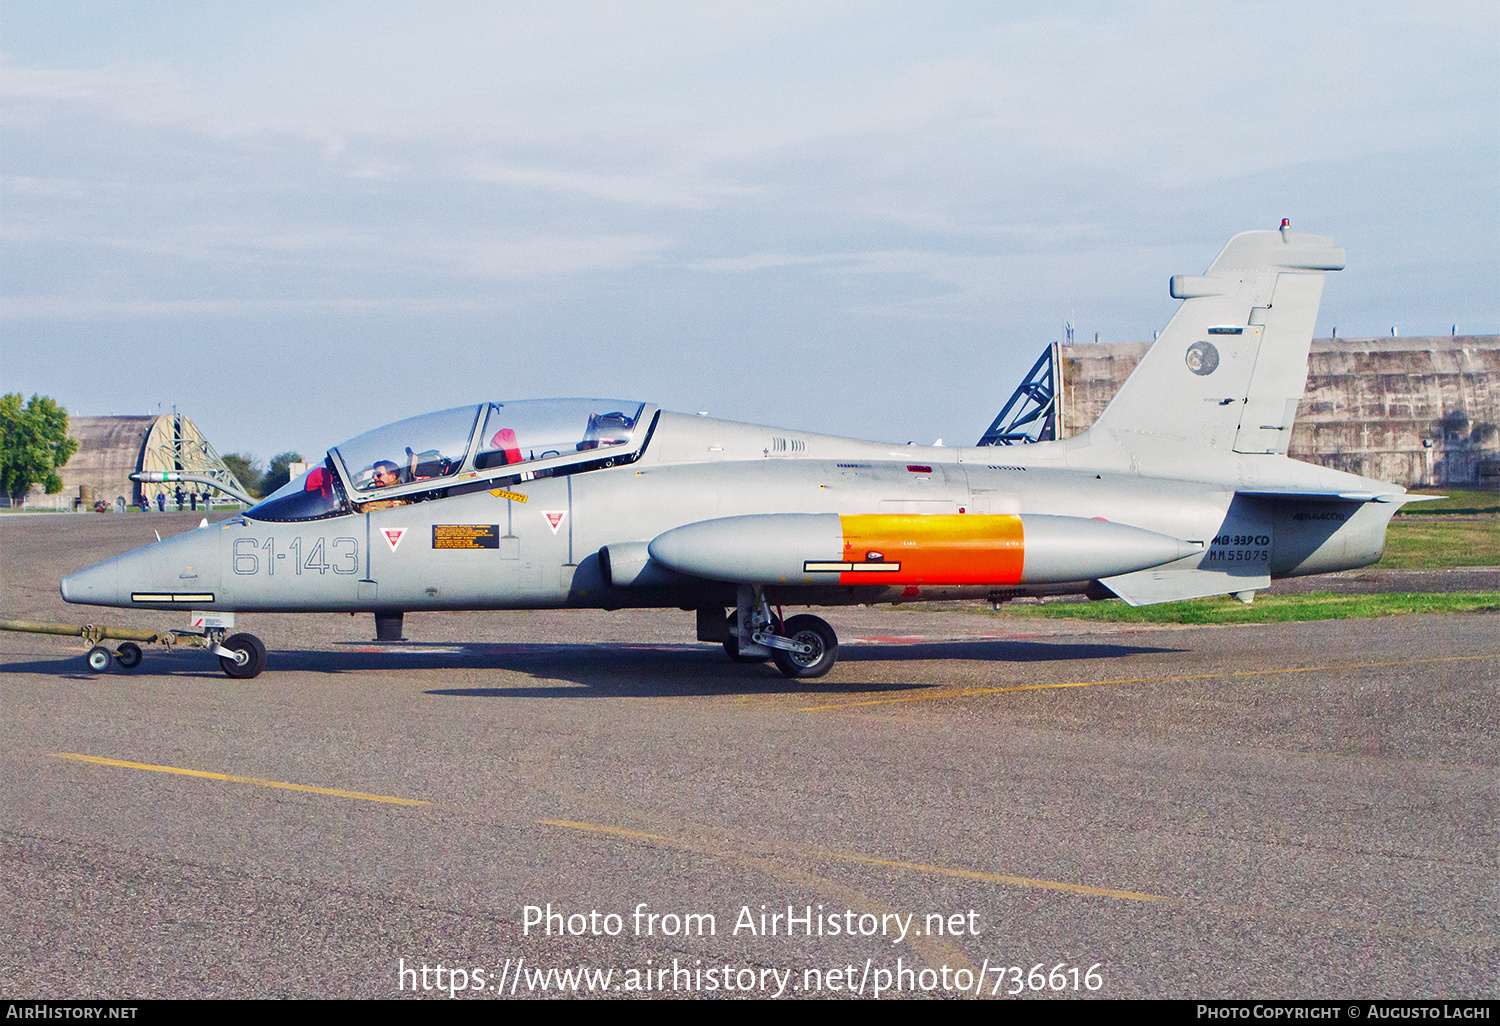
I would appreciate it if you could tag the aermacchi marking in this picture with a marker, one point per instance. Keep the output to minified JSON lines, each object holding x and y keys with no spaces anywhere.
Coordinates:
{"x":554,"y":520}
{"x":501,"y":493}
{"x":393,"y":536}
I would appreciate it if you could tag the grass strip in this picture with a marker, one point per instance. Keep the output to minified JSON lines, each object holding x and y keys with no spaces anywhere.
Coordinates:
{"x":1265,"y":609}
{"x":1436,"y":543}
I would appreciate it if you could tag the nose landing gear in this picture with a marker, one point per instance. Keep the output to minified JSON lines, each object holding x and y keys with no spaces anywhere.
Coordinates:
{"x":242,"y":656}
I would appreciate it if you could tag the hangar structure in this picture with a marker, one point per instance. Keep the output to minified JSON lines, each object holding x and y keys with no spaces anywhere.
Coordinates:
{"x":110,"y":449}
{"x":1421,"y":411}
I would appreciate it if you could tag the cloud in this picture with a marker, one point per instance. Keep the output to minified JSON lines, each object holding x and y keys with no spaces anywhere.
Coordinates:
{"x":776,"y":171}
{"x":766,"y":261}
{"x":68,"y":308}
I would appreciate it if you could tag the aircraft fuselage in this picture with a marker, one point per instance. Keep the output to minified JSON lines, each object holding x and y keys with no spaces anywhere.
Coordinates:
{"x":537,"y":544}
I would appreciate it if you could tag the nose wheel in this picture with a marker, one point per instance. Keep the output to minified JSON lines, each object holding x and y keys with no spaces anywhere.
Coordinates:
{"x":242,"y":656}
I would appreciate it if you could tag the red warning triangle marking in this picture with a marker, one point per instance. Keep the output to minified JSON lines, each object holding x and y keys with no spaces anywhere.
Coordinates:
{"x":393,"y":536}
{"x":555,"y":519}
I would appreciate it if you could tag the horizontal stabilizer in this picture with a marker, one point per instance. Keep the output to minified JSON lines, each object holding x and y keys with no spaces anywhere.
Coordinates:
{"x":1147,"y":587}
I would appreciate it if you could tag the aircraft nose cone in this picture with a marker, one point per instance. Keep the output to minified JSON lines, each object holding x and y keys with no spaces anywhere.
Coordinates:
{"x":98,"y":585}
{"x":185,"y":564}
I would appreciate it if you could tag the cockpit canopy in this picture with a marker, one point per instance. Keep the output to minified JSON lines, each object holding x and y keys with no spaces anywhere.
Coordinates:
{"x":418,"y":449}
{"x":411,"y":457}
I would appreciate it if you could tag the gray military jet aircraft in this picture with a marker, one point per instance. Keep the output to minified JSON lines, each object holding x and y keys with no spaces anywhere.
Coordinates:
{"x":1181,"y":489}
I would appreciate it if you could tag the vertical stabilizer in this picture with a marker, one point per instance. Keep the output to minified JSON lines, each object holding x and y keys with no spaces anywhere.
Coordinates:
{"x":1229,"y":369}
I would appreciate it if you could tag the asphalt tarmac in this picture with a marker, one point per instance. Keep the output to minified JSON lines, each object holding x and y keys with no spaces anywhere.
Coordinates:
{"x":1290,"y":810}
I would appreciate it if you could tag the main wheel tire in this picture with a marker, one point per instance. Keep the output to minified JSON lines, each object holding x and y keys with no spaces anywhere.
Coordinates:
{"x":732,"y":646}
{"x":808,"y":630}
{"x":255,"y":657}
{"x":100,"y":659}
{"x":130,"y":655}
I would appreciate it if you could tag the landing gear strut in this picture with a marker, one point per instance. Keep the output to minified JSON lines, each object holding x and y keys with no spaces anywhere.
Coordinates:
{"x":732,"y":643}
{"x":805,"y":646}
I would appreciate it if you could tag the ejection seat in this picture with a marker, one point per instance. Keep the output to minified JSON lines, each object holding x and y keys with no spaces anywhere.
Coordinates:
{"x":503,"y":451}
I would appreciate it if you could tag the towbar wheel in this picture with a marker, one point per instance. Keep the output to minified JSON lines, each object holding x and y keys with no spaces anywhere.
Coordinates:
{"x":129,"y":655}
{"x":100,"y":659}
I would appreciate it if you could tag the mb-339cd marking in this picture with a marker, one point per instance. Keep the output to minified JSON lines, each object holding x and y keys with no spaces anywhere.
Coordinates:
{"x":1243,"y":539}
{"x":1240,"y":548}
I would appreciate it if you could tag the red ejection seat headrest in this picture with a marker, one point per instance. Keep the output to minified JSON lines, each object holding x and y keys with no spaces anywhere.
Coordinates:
{"x":505,"y":439}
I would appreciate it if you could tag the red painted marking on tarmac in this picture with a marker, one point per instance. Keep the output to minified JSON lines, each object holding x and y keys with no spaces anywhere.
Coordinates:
{"x":918,"y":639}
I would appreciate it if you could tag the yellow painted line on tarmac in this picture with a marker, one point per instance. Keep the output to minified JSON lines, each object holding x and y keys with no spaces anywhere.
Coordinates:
{"x":970,"y":692}
{"x":1483,"y":941}
{"x":572,"y":824}
{"x":917,"y":867}
{"x":389,"y":799}
{"x":1013,"y":881}
{"x":784,"y":866}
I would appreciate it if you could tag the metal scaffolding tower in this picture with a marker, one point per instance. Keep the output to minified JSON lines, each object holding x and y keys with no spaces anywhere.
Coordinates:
{"x":1031,"y":413}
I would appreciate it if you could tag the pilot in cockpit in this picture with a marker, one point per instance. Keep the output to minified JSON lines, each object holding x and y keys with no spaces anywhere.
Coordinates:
{"x":385,"y":474}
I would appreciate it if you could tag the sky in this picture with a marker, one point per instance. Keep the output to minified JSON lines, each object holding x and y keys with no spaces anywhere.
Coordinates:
{"x":299,"y":221}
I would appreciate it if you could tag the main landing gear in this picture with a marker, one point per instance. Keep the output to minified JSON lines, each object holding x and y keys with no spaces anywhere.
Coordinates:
{"x":803,"y":647}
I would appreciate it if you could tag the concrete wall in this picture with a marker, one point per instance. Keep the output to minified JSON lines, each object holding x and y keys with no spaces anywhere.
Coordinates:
{"x":109,"y":451}
{"x":1414,"y":411}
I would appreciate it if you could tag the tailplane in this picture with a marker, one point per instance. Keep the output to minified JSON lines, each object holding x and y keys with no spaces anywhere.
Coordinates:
{"x":1229,"y":369}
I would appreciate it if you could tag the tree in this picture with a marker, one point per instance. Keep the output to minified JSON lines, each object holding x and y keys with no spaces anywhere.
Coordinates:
{"x":34,"y":442}
{"x":246,"y":471}
{"x":280,"y":472}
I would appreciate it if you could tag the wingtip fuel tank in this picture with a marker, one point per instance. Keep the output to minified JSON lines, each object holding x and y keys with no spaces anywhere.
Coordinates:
{"x":800,"y":548}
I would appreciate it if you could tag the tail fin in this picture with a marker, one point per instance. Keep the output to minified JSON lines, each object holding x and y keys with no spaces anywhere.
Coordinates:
{"x":1231,"y":365}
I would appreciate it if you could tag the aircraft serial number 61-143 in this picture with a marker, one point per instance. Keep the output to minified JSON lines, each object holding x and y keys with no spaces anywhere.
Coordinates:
{"x":1181,"y":489}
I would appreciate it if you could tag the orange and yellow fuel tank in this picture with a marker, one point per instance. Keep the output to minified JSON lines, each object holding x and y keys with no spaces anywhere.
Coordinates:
{"x":829,"y":548}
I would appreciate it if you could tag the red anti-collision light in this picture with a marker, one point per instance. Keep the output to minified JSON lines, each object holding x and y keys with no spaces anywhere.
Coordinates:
{"x":918,"y":469}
